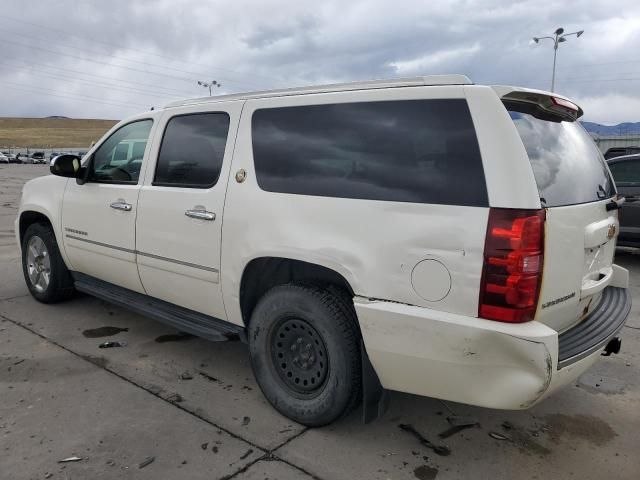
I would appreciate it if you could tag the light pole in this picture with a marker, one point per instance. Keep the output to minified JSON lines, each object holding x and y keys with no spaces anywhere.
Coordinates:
{"x":212,"y":83}
{"x":558,"y":38}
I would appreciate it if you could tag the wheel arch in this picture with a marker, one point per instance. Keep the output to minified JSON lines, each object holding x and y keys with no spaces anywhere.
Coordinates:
{"x":264,"y":273}
{"x":29,"y":217}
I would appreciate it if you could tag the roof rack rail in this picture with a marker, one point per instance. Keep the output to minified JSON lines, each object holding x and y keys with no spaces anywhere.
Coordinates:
{"x":428,"y":80}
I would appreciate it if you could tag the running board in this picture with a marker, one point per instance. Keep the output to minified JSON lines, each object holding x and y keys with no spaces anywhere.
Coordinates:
{"x":177,"y":317}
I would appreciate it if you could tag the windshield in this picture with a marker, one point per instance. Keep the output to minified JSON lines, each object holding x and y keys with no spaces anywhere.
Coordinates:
{"x":567,"y":165}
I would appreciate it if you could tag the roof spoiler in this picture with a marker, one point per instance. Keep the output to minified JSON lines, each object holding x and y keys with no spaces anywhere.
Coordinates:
{"x":547,"y":103}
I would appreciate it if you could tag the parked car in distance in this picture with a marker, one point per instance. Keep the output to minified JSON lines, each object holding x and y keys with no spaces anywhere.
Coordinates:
{"x":621,"y":151}
{"x":38,"y":157}
{"x":10,"y":156}
{"x":4,"y":158}
{"x":53,"y":155}
{"x":387,"y":235}
{"x":626,"y":173}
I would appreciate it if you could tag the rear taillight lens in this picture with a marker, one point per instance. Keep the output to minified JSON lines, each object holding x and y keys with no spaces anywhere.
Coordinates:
{"x":513,"y":261}
{"x":564,"y":107}
{"x":561,"y":102}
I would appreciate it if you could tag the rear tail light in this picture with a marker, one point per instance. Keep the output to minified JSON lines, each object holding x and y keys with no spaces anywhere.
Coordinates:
{"x":564,"y":107}
{"x":561,"y":102}
{"x":513,"y":261}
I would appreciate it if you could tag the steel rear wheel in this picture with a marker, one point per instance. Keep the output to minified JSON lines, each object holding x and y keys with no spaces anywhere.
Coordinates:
{"x":300,"y":356}
{"x":304,"y":344}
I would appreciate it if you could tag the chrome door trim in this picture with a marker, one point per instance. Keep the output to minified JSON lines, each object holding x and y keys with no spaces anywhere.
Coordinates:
{"x":145,"y":254}
{"x":178,"y":262}
{"x":100,"y":244}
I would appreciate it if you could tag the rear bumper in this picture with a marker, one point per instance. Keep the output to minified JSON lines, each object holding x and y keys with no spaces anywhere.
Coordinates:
{"x":481,"y":362}
{"x":594,"y":332}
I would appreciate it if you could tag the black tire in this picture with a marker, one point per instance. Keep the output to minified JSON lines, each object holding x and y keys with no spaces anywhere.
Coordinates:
{"x":60,"y":284}
{"x":304,"y":345}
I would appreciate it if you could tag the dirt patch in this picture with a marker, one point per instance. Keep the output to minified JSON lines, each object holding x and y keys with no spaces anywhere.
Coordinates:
{"x":524,"y":439}
{"x":590,"y":428}
{"x":52,"y":132}
{"x":594,"y":383}
{"x":438,"y":449}
{"x":526,"y":442}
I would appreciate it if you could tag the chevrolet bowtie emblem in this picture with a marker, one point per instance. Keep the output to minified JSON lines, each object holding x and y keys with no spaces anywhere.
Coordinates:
{"x":611,"y":232}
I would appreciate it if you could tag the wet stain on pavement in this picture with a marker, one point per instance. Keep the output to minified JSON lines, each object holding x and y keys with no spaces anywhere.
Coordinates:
{"x":588,"y":427}
{"x":103,"y":332}
{"x":438,"y":449}
{"x":425,"y":473}
{"x":175,"y":337}
{"x":97,"y":361}
{"x":524,"y":439}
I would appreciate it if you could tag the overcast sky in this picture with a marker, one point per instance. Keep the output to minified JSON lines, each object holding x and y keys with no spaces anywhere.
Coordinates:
{"x":112,"y":58}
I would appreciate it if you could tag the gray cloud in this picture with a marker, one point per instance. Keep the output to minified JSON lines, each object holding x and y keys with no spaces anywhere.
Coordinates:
{"x":110,"y":59}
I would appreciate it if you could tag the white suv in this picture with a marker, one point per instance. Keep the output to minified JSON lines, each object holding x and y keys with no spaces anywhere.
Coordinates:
{"x":425,"y":235}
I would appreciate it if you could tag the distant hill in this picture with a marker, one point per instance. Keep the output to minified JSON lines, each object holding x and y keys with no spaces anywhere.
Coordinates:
{"x":626,"y":128}
{"x":51,"y":132}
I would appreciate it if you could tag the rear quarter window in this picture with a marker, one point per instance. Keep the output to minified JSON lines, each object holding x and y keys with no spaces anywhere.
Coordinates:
{"x":422,"y":151}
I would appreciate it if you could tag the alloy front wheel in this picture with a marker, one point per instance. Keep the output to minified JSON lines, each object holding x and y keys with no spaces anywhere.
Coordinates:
{"x":45,"y":272}
{"x":38,"y":264}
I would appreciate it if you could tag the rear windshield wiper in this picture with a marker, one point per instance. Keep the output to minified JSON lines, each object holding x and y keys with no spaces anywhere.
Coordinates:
{"x":602,"y":193}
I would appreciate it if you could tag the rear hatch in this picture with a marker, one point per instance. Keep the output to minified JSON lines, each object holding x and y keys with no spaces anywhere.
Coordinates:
{"x":575,"y":188}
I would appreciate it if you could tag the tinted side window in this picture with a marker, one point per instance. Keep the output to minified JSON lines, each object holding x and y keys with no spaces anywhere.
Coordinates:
{"x":116,"y":160}
{"x":422,"y":151}
{"x":192,"y":150}
{"x":626,"y":172}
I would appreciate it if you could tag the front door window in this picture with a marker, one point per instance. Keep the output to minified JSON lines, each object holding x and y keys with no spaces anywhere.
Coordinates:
{"x":119,"y":158}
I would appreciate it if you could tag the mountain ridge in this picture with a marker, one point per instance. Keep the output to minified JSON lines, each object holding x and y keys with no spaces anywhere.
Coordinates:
{"x":625,"y":128}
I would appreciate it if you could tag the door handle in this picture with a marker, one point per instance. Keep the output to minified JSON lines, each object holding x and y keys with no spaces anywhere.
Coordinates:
{"x":201,"y":215}
{"x":121,"y":205}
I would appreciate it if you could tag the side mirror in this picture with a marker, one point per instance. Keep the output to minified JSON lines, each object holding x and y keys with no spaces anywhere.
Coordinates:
{"x":65,"y":166}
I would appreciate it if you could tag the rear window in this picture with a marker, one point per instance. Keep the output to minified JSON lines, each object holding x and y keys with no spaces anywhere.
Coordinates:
{"x":422,"y":151}
{"x":567,"y":164}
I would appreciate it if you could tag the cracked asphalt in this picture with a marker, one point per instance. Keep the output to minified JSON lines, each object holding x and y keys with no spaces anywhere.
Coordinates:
{"x":173,"y":406}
